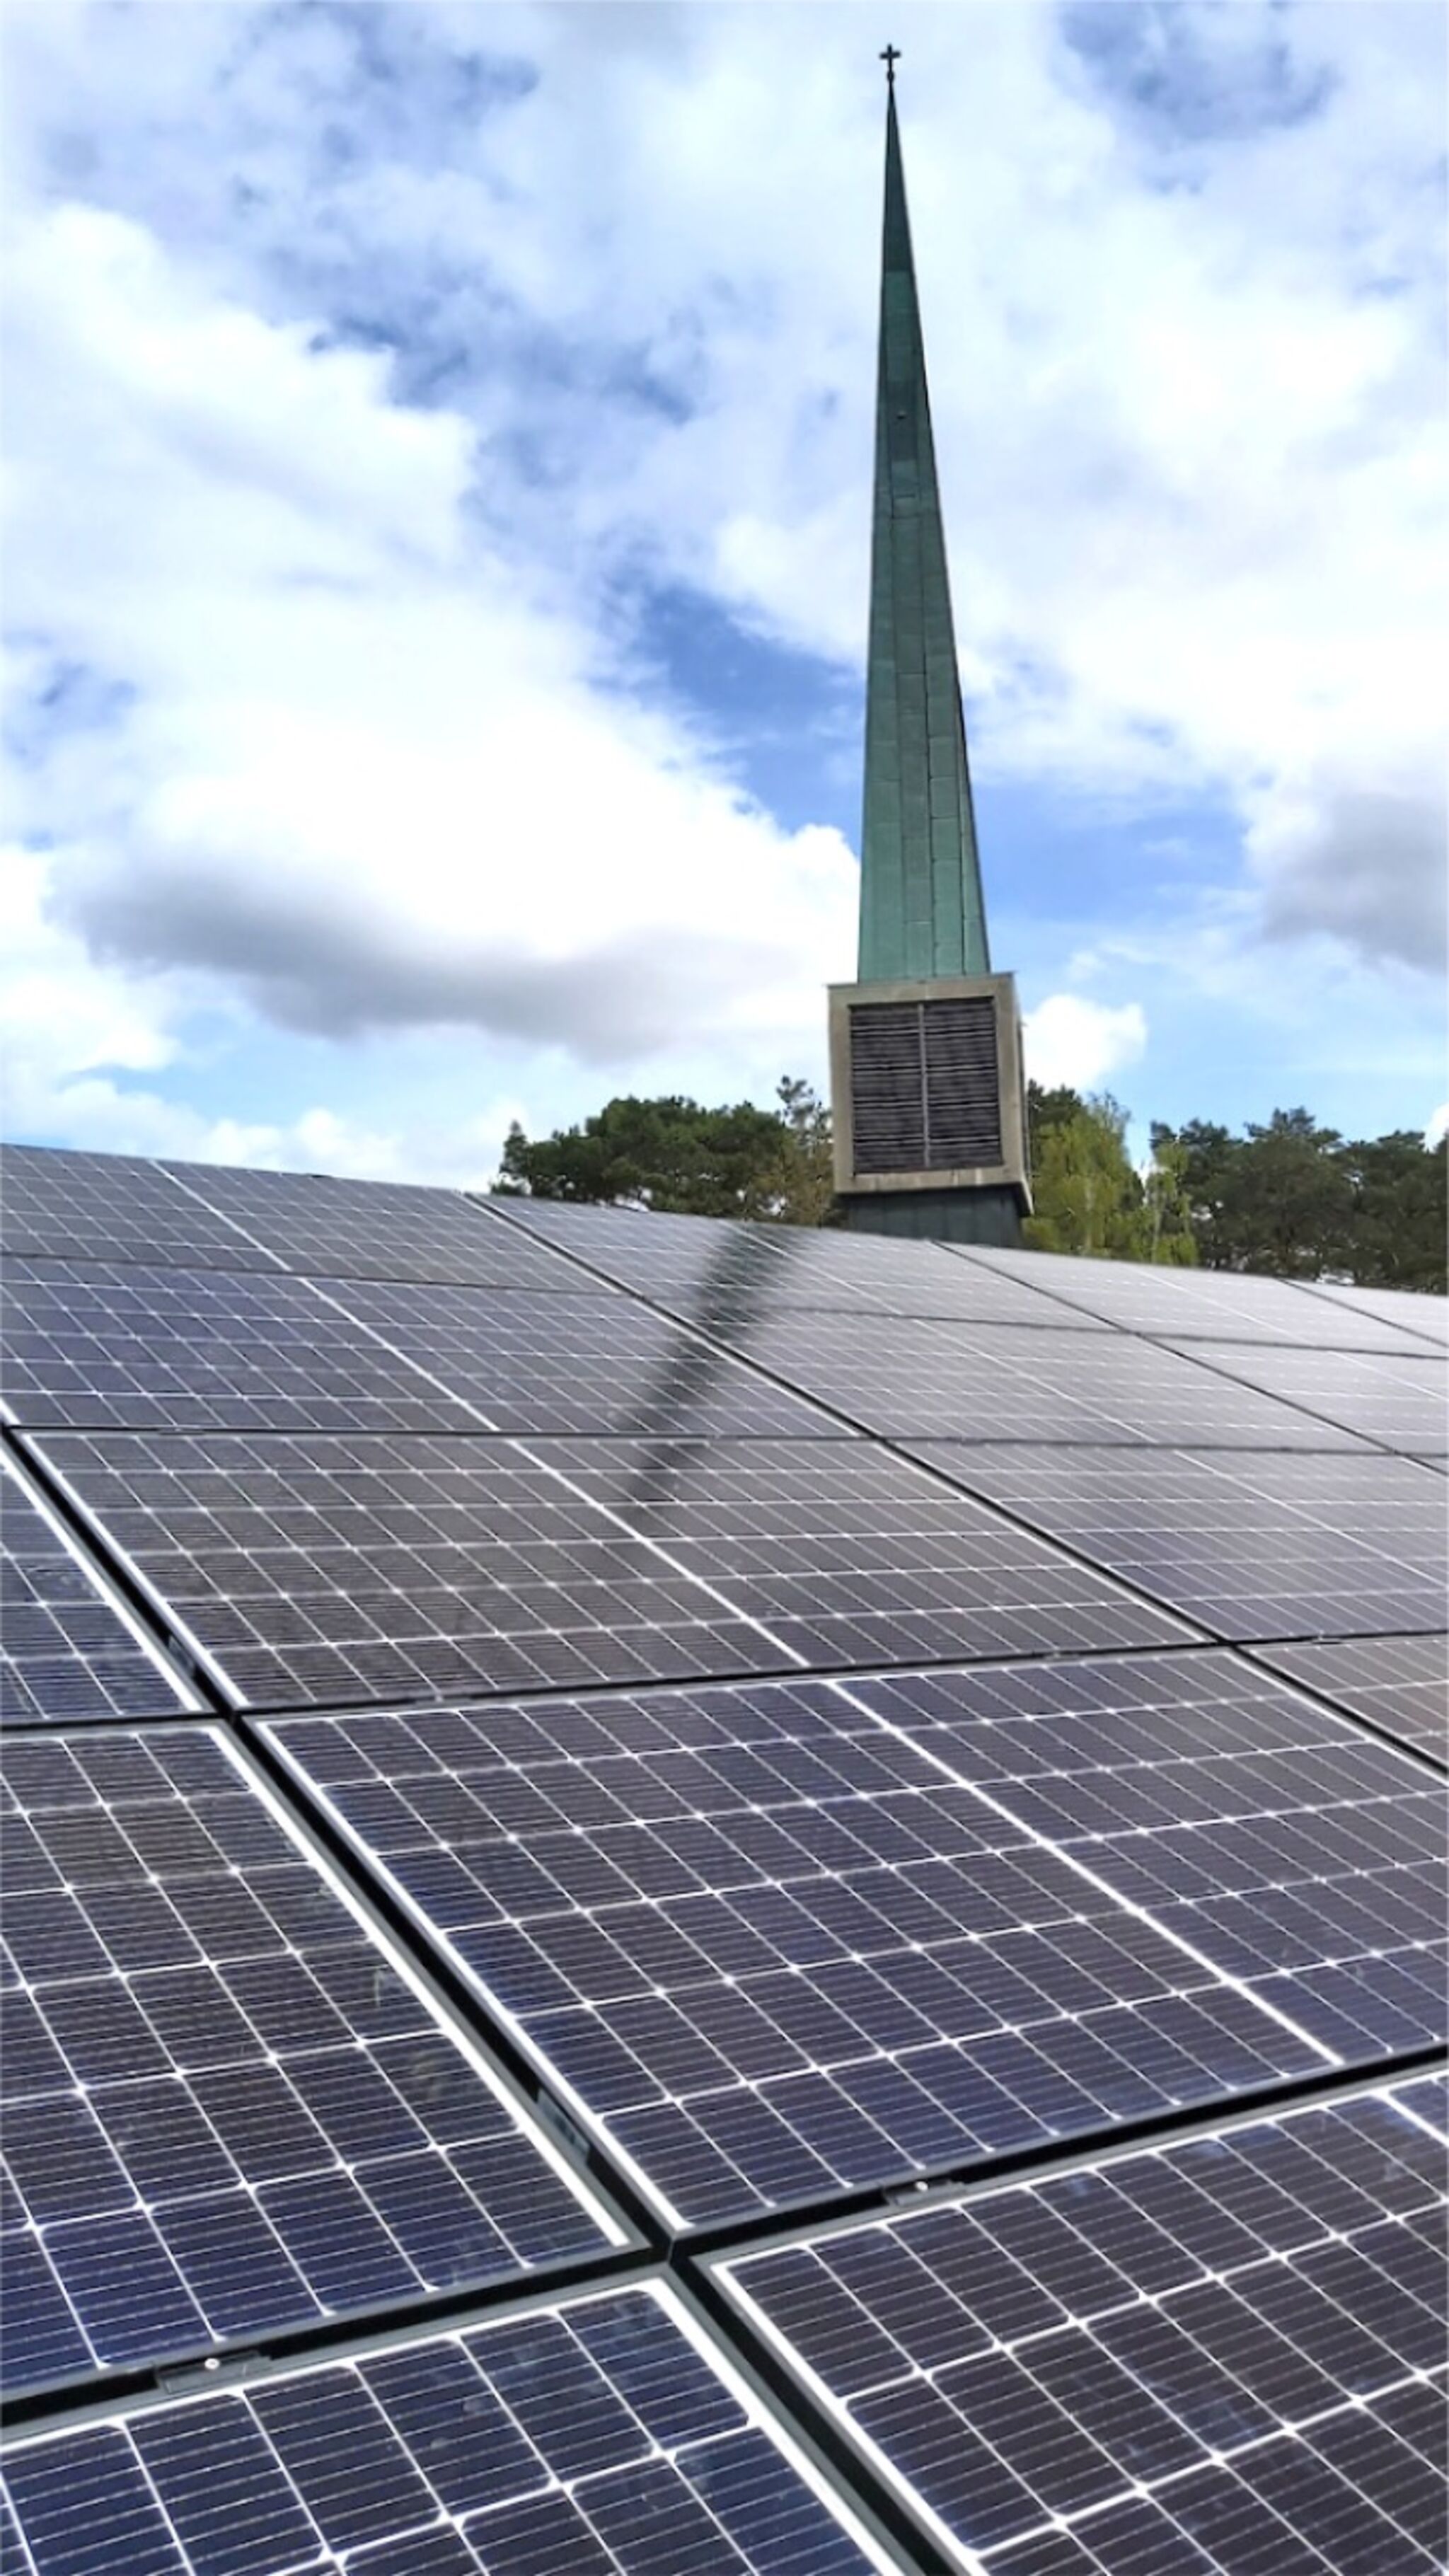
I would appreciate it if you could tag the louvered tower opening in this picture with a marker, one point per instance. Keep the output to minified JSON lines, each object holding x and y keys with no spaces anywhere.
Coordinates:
{"x":925,"y":1087}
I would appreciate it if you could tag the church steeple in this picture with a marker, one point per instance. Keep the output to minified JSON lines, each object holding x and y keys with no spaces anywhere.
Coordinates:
{"x":926,"y":1079}
{"x":921,"y":908}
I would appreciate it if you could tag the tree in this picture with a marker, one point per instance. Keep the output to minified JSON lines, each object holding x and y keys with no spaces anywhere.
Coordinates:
{"x":1278,"y":1199}
{"x":1087,"y":1196}
{"x":673,"y":1155}
{"x":1047,"y":1109}
{"x":1202,"y":1155}
{"x":1400,"y":1218}
{"x":1169,"y":1210}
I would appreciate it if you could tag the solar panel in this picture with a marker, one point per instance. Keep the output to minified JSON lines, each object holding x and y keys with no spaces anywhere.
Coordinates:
{"x":126,"y":1346}
{"x":1297,"y":1854}
{"x":897,"y":1277}
{"x":1214,"y":1305}
{"x":768,"y":1947}
{"x":1427,"y":1317}
{"x":592,"y":1365}
{"x":1401,"y":1403}
{"x":228,"y":2107}
{"x":1220,"y":2355}
{"x":1399,"y":1683}
{"x":372,"y":1229}
{"x":69,"y":1649}
{"x":678,"y":1261}
{"x":709,"y":1740}
{"x":904,"y":1378}
{"x":711,"y":1272}
{"x":1250,"y":1546}
{"x":111,"y":1207}
{"x":339,"y":1569}
{"x":847,"y":1555}
{"x":591,"y":2437}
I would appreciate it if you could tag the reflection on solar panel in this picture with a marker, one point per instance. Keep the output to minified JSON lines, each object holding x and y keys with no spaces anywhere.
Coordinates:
{"x":1398,"y":1683}
{"x":1276,"y":1841}
{"x":873,"y":1273}
{"x":1249,"y":1546}
{"x":772,"y":1947}
{"x":592,"y":1365}
{"x":111,"y":1207}
{"x":125,"y":1346}
{"x":848,"y":1555}
{"x":1402,"y":1403}
{"x":1427,"y":1317}
{"x":1219,"y":1305}
{"x":708,"y":1744}
{"x":67,"y":1649}
{"x":582,"y":2439}
{"x":709,"y":1273}
{"x":675,"y":1260}
{"x":905,"y":1378}
{"x":372,"y":1229}
{"x":1224,"y":2355}
{"x":331,"y":1569}
{"x":224,"y":2109}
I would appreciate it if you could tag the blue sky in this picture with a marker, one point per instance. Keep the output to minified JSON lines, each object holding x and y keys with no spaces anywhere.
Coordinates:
{"x":438,"y":444}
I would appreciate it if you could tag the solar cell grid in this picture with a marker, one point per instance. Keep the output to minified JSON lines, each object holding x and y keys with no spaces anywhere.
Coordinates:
{"x":897,"y":1277}
{"x":597,"y":2437}
{"x":1215,"y":1305}
{"x":346,"y":1569}
{"x":1399,"y":1402}
{"x":578,"y":1365}
{"x":1250,"y":1545}
{"x":907,"y":1378}
{"x":67,"y":1650}
{"x":1226,"y":2353}
{"x":97,"y":1346}
{"x":225,"y":2108}
{"x":370,"y":1229}
{"x":768,"y":1949}
{"x":712,"y":1273}
{"x":1399,"y":1683}
{"x":1299,"y":1855}
{"x":848,"y":1555}
{"x":673,"y":1259}
{"x":570,"y":1585}
{"x":1426,"y":1317}
{"x":110,"y":1207}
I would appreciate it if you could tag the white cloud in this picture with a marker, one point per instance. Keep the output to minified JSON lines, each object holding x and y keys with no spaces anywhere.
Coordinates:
{"x":84,"y":1046}
{"x":343,"y":731}
{"x":362,"y":780}
{"x":1069,"y":1039}
{"x":1438,"y":1126}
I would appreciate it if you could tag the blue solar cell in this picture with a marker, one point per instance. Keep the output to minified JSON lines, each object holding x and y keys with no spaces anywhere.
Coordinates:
{"x":208,"y":2146}
{"x":444,"y":2456}
{"x":1215,"y":2336}
{"x":67,"y":1653}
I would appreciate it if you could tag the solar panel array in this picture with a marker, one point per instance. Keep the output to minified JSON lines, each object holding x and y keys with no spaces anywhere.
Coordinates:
{"x":1222,"y":2354}
{"x":681,"y":1896}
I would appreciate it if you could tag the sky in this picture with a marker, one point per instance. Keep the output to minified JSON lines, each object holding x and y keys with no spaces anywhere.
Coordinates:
{"x":437,"y":446}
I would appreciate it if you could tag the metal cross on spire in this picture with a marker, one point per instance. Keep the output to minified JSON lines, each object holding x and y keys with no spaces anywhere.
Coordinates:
{"x":890,"y":56}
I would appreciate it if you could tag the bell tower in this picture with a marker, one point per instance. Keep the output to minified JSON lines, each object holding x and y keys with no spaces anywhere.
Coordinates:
{"x":926,"y":1078}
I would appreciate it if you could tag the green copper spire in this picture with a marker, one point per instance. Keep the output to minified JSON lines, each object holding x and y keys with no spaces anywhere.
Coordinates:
{"x":921,"y":912}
